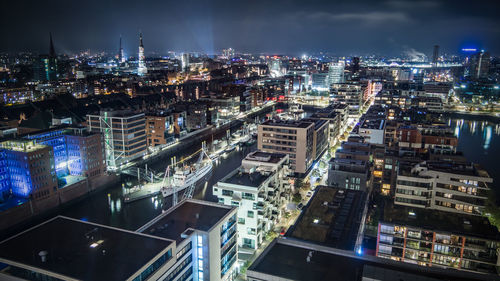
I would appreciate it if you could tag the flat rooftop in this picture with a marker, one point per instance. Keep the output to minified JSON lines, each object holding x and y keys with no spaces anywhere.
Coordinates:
{"x":435,"y":220}
{"x":289,"y":123}
{"x":265,"y":157}
{"x":450,"y":167}
{"x":334,"y":223}
{"x":190,"y":214}
{"x":68,"y":243}
{"x":21,"y":145}
{"x":377,"y":124}
{"x":239,"y":177}
{"x":287,"y":258}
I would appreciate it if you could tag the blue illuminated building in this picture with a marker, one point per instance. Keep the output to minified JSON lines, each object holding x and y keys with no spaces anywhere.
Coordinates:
{"x":57,"y":140}
{"x":26,"y":169}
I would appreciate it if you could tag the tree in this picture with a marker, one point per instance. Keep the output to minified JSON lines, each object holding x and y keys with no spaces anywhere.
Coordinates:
{"x":270,"y":235}
{"x":297,"y":198}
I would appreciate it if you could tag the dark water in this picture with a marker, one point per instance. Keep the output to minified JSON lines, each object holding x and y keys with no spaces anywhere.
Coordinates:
{"x":107,"y":207}
{"x":479,"y":140}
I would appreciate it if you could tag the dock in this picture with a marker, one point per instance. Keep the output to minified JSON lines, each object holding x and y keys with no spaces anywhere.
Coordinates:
{"x":144,"y":191}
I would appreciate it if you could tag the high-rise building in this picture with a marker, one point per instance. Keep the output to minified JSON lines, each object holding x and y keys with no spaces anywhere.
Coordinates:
{"x":194,"y":240}
{"x":228,"y":53}
{"x":141,"y":68}
{"x":335,"y":73}
{"x":441,"y":185}
{"x":435,"y":55}
{"x":121,"y":56}
{"x":293,"y":138}
{"x":351,"y":94}
{"x":275,"y":67}
{"x":436,"y":239}
{"x":260,"y":190}
{"x":185,"y":62}
{"x":479,"y":65}
{"x":45,"y":67}
{"x":124,"y":135}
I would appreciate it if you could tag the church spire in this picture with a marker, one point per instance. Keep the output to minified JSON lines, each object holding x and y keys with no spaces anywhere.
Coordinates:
{"x":52,"y":51}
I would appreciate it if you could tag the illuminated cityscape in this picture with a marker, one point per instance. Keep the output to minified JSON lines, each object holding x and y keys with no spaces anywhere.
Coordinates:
{"x":250,"y":140}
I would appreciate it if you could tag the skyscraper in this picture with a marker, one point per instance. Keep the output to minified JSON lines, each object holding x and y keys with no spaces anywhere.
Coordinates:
{"x":479,"y":65}
{"x":185,"y":62}
{"x":45,"y":67}
{"x":435,"y":55}
{"x":141,"y":68}
{"x":335,"y":73}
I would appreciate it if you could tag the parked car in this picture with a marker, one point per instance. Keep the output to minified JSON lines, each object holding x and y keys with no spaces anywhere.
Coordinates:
{"x":309,"y":194}
{"x":300,"y":206}
{"x":283,"y":231}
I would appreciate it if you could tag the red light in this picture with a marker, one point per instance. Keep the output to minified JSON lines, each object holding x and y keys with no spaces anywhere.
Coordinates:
{"x":279,"y":110}
{"x":281,"y":97}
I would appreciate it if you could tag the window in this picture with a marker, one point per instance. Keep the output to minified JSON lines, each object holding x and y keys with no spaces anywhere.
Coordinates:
{"x":226,"y":192}
{"x":241,"y":220}
{"x":250,"y":214}
{"x":248,"y":196}
{"x":385,"y":249}
{"x":387,"y":239}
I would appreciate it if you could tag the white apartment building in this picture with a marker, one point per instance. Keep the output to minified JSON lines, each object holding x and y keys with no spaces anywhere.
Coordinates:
{"x":458,"y":188}
{"x":195,"y":240}
{"x":259,"y":188}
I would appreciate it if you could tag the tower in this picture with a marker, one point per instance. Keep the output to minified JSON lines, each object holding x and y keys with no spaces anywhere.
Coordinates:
{"x":121,"y":57}
{"x":141,"y":69}
{"x":435,"y":55}
{"x":45,"y":67}
{"x":185,"y":62}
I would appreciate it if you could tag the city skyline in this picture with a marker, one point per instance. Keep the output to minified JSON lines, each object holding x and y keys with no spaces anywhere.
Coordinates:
{"x":285,"y":27}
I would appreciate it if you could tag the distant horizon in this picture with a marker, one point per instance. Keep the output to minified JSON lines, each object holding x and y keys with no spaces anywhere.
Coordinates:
{"x":355,"y":27}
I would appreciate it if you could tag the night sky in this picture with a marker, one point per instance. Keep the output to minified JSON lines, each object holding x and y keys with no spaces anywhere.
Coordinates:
{"x":277,"y":26}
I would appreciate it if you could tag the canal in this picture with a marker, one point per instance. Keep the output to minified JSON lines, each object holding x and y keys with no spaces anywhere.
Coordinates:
{"x":479,"y":139}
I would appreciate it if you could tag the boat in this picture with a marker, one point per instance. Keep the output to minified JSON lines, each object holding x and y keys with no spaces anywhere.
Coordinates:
{"x":250,"y":142}
{"x":230,"y":148}
{"x":188,"y":175}
{"x":214,"y":157}
{"x":296,"y":109}
{"x":245,"y":139}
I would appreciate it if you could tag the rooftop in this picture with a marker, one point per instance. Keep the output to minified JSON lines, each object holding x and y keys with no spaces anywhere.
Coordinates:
{"x":377,"y":124}
{"x":288,"y":123}
{"x":434,"y":220}
{"x":287,"y":258}
{"x":239,"y":177}
{"x":450,"y":167}
{"x":82,"y":250}
{"x":190,"y":214}
{"x":331,"y":218}
{"x":266,"y":157}
{"x":21,"y":145}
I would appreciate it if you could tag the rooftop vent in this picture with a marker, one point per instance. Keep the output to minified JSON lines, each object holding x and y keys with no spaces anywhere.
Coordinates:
{"x":43,"y":255}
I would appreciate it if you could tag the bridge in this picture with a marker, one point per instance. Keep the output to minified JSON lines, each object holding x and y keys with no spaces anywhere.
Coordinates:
{"x":142,"y":173}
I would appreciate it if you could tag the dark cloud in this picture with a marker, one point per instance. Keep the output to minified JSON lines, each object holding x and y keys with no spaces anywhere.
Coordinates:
{"x":281,"y":26}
